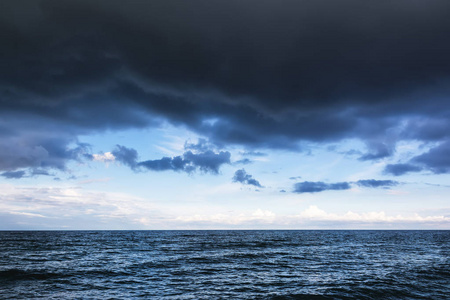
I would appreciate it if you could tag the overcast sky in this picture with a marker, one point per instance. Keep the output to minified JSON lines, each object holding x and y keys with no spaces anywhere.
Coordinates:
{"x":224,"y":114}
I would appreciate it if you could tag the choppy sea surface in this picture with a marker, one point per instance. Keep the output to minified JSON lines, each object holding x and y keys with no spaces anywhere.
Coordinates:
{"x":225,"y":264}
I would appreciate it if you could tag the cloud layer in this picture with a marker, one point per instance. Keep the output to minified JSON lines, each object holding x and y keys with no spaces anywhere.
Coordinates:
{"x":257,"y":73}
{"x":71,"y":208}
{"x":360,"y":88}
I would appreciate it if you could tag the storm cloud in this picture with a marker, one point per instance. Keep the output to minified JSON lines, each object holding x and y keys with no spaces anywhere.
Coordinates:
{"x":260,"y":74}
{"x":30,"y":148}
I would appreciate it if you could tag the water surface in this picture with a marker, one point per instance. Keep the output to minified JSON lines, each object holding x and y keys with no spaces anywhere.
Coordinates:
{"x":225,"y":264}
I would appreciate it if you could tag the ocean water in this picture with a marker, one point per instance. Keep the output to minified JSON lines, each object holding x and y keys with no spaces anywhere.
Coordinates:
{"x":225,"y":264}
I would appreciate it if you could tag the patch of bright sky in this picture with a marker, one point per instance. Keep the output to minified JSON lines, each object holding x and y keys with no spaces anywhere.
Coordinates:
{"x":198,"y":197}
{"x":272,"y":171}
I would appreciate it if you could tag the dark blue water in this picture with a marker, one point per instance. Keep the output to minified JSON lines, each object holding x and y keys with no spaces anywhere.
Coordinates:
{"x":225,"y":264}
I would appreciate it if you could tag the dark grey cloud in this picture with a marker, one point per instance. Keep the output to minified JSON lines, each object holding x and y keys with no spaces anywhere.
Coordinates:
{"x":436,"y":160}
{"x":207,"y":161}
{"x":400,"y":169}
{"x":127,"y":156}
{"x":38,"y":172}
{"x":319,"y":186}
{"x":254,"y":153}
{"x":38,"y":147}
{"x":243,"y":177}
{"x":176,"y":163}
{"x":202,"y":145}
{"x":13,"y":174}
{"x":426,"y":129}
{"x":377,"y":150}
{"x":373,"y":183}
{"x":244,"y":161}
{"x":260,"y":74}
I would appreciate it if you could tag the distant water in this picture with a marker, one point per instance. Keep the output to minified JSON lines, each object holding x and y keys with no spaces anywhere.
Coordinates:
{"x":225,"y":264}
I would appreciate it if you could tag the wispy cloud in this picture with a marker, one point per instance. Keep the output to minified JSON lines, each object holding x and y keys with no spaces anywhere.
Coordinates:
{"x":67,"y":207}
{"x":95,"y":180}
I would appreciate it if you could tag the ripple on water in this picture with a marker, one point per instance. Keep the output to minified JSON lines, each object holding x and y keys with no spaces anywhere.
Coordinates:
{"x":225,"y":264}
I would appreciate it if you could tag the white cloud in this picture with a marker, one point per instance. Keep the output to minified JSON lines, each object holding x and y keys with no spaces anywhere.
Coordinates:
{"x":104,"y":157}
{"x":231,"y":218}
{"x":263,"y":214}
{"x":74,"y":207}
{"x":95,"y":180}
{"x":27,"y":214}
{"x":78,"y":208}
{"x":315,"y":213}
{"x":310,"y":218}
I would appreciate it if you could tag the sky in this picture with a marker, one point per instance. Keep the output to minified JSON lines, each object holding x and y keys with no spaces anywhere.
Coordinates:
{"x":204,"y":114}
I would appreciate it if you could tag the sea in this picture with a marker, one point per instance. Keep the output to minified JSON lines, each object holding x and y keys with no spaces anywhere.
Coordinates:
{"x":225,"y":264}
